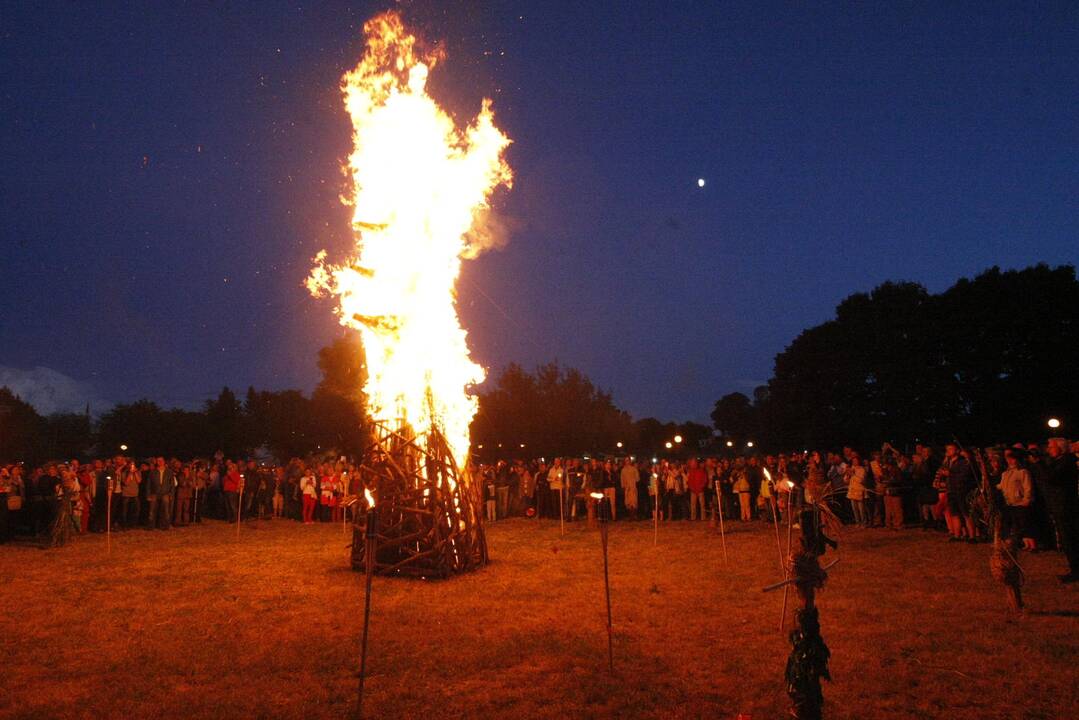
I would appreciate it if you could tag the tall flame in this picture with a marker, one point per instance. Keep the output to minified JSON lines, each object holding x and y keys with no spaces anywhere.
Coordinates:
{"x":418,"y":186}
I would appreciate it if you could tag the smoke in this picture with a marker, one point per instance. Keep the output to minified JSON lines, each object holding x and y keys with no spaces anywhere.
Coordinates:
{"x":51,"y":391}
{"x":490,"y":231}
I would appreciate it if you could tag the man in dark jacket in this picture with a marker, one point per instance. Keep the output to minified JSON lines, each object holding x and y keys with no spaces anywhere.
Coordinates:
{"x":1059,"y":490}
{"x":160,"y":484}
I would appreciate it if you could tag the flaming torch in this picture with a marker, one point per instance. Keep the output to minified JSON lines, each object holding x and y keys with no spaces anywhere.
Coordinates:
{"x":604,"y":512}
{"x":419,"y":196}
{"x":775,"y":516}
{"x":370,"y":548}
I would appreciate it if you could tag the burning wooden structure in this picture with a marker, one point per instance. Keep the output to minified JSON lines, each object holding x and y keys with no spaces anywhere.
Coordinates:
{"x":429,"y":519}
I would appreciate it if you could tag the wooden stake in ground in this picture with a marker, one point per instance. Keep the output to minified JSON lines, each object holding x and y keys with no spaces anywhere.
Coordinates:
{"x":108,"y":514}
{"x":604,"y":510}
{"x":722,"y":529}
{"x":562,"y":511}
{"x":370,"y":548}
{"x":655,"y":509}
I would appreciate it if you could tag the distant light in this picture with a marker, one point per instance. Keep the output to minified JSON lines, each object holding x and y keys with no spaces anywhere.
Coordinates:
{"x":749,"y":444}
{"x":480,"y":446}
{"x":1054,"y":423}
{"x":618,"y":444}
{"x":730,"y":443}
{"x":499,"y":444}
{"x":655,"y":460}
{"x":123,"y":448}
{"x":668,"y":444}
{"x":522,"y":444}
{"x":678,"y":438}
{"x":700,"y":182}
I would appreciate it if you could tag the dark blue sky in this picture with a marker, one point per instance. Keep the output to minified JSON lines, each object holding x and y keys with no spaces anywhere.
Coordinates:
{"x":169,"y":170}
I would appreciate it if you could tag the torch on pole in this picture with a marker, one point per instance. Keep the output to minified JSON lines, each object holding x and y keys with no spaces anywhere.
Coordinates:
{"x":655,"y":510}
{"x":790,"y":540}
{"x":604,"y":512}
{"x":239,"y":506}
{"x":775,"y":515}
{"x":370,"y":537}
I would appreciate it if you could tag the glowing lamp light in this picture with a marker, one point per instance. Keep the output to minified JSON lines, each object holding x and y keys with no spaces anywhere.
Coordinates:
{"x":123,"y":448}
{"x":618,"y":444}
{"x":596,"y":495}
{"x":767,"y":475}
{"x":749,"y":444}
{"x":678,"y":438}
{"x":1054,"y":423}
{"x":668,"y":445}
{"x":730,"y":443}
{"x":522,"y":444}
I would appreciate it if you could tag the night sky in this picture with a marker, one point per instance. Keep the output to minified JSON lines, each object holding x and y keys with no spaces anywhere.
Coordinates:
{"x":170,"y":169}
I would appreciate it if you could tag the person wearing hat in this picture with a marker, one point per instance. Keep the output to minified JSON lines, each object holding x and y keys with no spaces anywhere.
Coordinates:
{"x":1063,"y":503}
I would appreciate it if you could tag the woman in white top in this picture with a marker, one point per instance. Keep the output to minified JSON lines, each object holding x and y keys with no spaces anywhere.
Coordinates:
{"x":856,"y":492}
{"x":307,"y":488}
{"x":1018,"y":491}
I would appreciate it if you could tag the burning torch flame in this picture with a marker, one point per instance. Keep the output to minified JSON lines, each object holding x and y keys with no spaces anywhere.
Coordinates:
{"x":369,"y":498}
{"x":596,"y":495}
{"x":419,"y":185}
{"x":767,"y":475}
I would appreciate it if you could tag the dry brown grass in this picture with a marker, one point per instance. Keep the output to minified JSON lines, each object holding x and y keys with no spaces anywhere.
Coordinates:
{"x":195,"y":623}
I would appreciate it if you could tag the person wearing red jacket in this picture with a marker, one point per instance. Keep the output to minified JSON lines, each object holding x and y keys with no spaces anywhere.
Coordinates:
{"x":231,"y":485}
{"x":696,"y":481}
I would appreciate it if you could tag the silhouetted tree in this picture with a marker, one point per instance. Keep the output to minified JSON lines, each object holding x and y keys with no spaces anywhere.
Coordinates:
{"x":989,"y":359}
{"x":553,"y":411}
{"x":734,"y":416}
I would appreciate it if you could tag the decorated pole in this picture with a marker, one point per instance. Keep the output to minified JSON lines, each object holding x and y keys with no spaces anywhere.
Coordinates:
{"x":808,"y":661}
{"x":370,"y":548}
{"x":604,"y":512}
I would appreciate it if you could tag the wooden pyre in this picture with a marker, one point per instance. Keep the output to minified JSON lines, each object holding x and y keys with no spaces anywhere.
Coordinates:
{"x":430,"y":522}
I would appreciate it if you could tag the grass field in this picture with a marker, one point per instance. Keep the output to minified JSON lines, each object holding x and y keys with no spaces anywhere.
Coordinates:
{"x":199,"y":623}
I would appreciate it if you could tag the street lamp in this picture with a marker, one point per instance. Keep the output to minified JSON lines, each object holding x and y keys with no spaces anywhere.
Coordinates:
{"x":668,"y":445}
{"x":618,"y":444}
{"x":749,"y":443}
{"x":1054,"y":423}
{"x":123,"y":448}
{"x":730,"y":443}
{"x":678,"y":438}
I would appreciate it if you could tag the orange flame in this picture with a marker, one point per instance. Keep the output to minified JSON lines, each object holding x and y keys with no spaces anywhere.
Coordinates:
{"x":369,"y":497}
{"x":419,"y":187}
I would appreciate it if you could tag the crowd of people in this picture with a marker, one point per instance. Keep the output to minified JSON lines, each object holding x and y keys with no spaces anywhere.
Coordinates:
{"x":56,"y":500}
{"x":1032,"y":489}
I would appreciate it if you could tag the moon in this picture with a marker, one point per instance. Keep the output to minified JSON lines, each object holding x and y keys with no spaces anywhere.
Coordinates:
{"x":700,"y":182}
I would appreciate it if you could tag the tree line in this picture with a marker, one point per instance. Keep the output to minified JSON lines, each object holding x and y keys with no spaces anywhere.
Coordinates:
{"x":987,"y":360}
